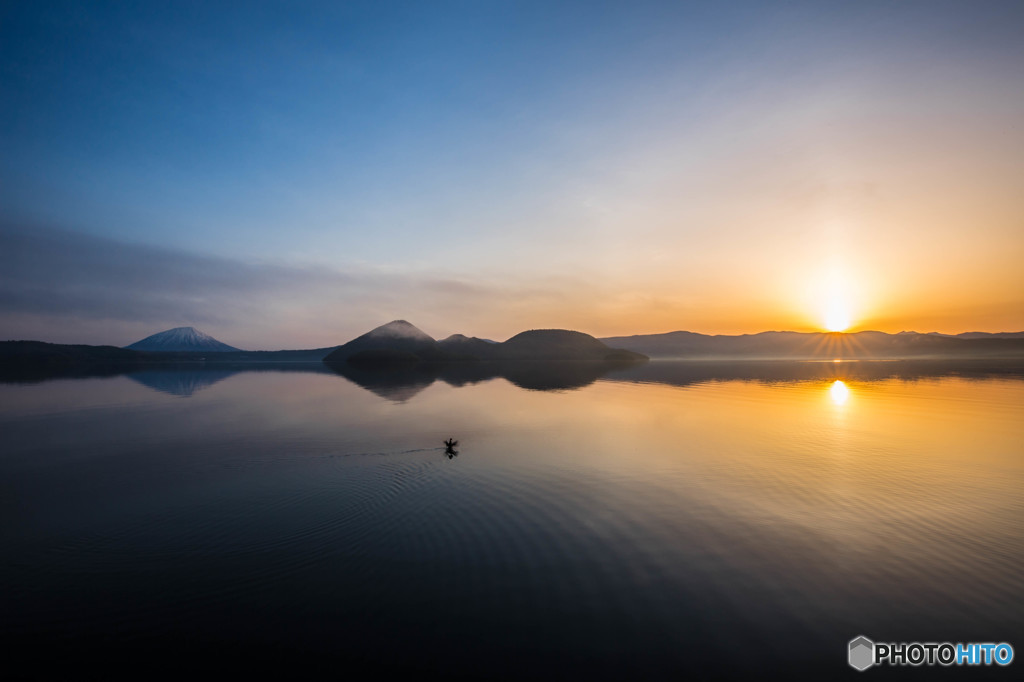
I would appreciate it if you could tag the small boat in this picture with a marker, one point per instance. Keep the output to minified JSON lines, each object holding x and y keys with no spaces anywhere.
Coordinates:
{"x":451,"y":443}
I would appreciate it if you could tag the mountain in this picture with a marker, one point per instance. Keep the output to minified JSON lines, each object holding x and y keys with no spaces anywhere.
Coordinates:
{"x":400,"y":331}
{"x":795,"y":345}
{"x":397,"y":341}
{"x":401,"y":342}
{"x":461,"y":346}
{"x":983,"y":335}
{"x":36,"y":360}
{"x":560,"y":344}
{"x":182,"y":339}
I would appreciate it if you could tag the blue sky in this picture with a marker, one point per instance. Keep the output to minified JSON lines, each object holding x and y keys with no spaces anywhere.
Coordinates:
{"x":634,"y":165}
{"x":204,"y":125}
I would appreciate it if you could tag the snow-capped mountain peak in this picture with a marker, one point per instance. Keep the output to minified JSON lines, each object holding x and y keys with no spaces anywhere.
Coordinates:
{"x":181,"y":339}
{"x":399,"y":329}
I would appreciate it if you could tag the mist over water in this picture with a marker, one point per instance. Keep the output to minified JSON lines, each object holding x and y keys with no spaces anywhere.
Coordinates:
{"x":649,"y":522}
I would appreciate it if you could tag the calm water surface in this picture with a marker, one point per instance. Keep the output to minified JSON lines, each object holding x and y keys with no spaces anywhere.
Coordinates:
{"x":646,"y":524}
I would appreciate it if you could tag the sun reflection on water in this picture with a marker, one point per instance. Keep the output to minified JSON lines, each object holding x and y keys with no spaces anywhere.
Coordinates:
{"x":839,"y":392}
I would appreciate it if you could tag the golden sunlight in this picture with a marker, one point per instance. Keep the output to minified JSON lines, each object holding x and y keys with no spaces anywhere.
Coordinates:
{"x":839,"y":392}
{"x":837,"y":315}
{"x":835,"y":300}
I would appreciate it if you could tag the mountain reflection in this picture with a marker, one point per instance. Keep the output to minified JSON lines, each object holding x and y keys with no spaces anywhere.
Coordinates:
{"x":175,"y":378}
{"x":686,"y":373}
{"x":180,"y":382}
{"x":401,"y":383}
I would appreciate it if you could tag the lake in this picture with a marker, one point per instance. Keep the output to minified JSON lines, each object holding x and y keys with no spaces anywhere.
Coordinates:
{"x":647,"y":522}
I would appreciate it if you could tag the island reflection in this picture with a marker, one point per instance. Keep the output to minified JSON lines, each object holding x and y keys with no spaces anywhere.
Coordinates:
{"x":401,"y":383}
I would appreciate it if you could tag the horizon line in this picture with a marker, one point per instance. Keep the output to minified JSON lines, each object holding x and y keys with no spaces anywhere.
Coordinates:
{"x":617,"y":336}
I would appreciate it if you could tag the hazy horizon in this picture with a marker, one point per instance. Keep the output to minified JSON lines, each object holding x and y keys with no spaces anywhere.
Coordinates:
{"x":441,"y":336}
{"x":285,"y":178}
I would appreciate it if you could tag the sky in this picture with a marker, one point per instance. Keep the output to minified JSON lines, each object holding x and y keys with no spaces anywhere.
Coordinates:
{"x":290,"y":175}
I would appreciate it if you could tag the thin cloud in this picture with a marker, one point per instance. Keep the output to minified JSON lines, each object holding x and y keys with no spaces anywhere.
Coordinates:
{"x":65,"y":286}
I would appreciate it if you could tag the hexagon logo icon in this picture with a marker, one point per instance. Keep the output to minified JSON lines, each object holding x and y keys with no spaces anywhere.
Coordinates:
{"x":861,"y":653}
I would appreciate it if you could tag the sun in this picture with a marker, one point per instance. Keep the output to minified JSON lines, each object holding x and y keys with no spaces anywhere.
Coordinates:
{"x":835,"y":293}
{"x":835,"y":298}
{"x":837,"y":315}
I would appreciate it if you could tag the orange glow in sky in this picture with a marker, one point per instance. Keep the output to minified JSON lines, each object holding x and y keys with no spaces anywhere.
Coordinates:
{"x":659,"y":167}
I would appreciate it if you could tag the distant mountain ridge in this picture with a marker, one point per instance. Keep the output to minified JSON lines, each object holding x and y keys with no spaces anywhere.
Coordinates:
{"x":182,"y":339}
{"x":31,"y":358}
{"x":401,"y":342}
{"x":980,"y":335}
{"x":812,"y":345}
